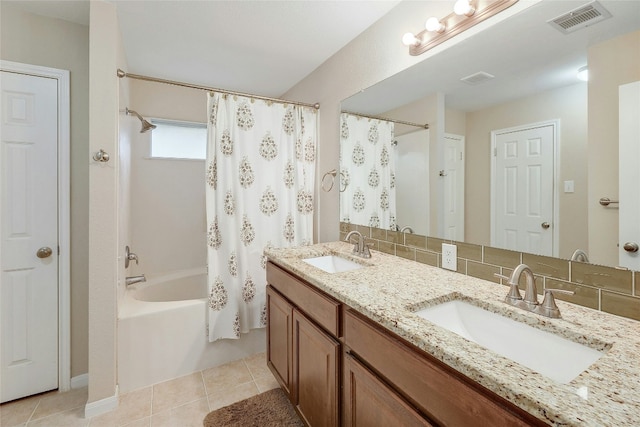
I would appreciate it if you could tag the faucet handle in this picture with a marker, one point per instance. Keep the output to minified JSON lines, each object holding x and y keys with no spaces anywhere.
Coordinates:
{"x":514,"y":292}
{"x":548,"y":306}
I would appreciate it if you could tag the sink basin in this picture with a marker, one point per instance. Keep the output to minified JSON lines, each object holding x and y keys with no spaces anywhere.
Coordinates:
{"x":555,"y":357}
{"x":333,"y":264}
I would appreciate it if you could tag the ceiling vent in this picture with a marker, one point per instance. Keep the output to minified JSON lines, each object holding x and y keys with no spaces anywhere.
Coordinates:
{"x":477,"y":78}
{"x":580,"y":17}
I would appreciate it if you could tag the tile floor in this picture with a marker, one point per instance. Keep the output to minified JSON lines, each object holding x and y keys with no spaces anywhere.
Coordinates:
{"x":180,"y":402}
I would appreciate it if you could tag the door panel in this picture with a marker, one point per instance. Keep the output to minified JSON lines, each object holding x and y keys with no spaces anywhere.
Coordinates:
{"x":454,"y":187}
{"x":28,"y":217}
{"x":629,"y":174}
{"x":523,"y":194}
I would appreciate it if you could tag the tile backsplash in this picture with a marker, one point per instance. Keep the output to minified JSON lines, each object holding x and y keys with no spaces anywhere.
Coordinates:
{"x":613,"y":290}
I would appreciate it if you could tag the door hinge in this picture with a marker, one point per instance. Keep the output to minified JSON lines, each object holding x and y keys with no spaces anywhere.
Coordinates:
{"x":495,"y":152}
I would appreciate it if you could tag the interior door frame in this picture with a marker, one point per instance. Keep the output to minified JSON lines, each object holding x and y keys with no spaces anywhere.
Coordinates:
{"x":555,"y":224}
{"x":64,"y":210}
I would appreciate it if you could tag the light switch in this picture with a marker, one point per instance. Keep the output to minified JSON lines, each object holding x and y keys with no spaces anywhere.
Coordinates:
{"x":568,"y":186}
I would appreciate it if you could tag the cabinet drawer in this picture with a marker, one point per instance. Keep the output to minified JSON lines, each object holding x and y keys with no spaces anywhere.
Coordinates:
{"x":439,"y":391}
{"x":325,"y":311}
{"x":368,"y":402}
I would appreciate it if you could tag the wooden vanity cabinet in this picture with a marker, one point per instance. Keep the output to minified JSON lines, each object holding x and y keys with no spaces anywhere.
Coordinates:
{"x":279,"y":339}
{"x":442,"y":394}
{"x":368,"y":401}
{"x":302,"y":347}
{"x":339,"y":367}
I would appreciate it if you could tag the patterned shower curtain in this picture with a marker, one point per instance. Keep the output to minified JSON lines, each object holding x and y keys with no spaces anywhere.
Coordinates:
{"x":367,"y":168}
{"x":260,"y":179}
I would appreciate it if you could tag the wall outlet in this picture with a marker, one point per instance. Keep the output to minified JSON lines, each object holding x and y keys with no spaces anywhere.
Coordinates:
{"x":449,"y":257}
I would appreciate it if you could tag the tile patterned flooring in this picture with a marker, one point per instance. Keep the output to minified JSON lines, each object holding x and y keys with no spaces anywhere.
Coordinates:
{"x":181,"y":402}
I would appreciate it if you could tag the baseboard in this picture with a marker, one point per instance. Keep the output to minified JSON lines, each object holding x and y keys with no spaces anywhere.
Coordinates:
{"x":102,"y":406}
{"x":80,"y":381}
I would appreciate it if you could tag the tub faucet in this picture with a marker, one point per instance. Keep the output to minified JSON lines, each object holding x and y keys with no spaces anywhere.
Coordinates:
{"x":360,"y":248}
{"x":134,"y":279}
{"x":530,"y":302}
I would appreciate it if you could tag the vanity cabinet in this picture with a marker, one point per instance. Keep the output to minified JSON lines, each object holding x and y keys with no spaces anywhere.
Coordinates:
{"x":339,"y":367}
{"x":303,"y":351}
{"x":368,"y":401}
{"x":442,"y":394}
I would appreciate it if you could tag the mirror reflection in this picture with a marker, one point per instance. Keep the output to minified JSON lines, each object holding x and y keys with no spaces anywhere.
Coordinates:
{"x":504,"y":162}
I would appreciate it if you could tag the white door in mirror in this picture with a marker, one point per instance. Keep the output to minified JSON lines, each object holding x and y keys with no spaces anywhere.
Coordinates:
{"x":629,"y":175}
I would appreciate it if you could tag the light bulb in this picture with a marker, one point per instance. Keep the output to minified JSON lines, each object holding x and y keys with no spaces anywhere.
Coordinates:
{"x":463,"y":7}
{"x":410,"y":40}
{"x":434,"y":24}
{"x":583,"y":74}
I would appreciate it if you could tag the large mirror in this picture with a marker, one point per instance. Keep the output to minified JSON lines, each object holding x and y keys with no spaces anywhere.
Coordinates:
{"x":494,"y":102}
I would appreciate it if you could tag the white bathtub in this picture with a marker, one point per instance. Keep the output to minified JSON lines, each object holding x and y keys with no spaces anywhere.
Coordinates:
{"x":162,"y":332}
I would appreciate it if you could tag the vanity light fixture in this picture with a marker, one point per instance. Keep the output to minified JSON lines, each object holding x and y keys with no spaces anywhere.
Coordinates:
{"x":466,"y":14}
{"x":463,"y":7}
{"x":583,"y":73}
{"x":409,"y":39}
{"x":434,"y":24}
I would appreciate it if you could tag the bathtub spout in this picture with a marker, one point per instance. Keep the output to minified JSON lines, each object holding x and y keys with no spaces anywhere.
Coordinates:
{"x":135,"y":279}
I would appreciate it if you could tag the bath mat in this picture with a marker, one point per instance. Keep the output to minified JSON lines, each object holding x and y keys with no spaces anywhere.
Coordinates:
{"x":271,"y":408}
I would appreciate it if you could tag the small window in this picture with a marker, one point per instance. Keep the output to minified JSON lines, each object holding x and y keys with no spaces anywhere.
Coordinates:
{"x":178,"y":140}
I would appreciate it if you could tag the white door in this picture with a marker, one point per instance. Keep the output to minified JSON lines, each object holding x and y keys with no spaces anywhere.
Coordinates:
{"x":28,"y":235}
{"x":412,"y":181}
{"x":629,"y":175}
{"x":522,"y":184}
{"x":454,"y":187}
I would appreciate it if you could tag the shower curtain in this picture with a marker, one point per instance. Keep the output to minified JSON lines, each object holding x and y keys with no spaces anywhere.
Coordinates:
{"x":367,"y":168}
{"x":260,"y":178}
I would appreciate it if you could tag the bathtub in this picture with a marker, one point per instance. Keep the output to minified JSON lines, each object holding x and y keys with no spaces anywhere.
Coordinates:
{"x":162,"y":331}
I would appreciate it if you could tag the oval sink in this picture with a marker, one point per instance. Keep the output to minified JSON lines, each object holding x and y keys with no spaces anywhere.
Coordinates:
{"x":555,"y":357}
{"x":333,"y":264}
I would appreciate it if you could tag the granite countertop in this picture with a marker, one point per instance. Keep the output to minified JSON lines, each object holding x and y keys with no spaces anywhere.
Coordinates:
{"x":390,"y":289}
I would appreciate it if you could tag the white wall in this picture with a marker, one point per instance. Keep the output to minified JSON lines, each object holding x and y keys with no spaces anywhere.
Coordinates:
{"x":168,"y":218}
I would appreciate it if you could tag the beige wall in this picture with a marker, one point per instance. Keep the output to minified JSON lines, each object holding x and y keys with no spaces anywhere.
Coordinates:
{"x":168,"y":218}
{"x":373,"y":56}
{"x":104,"y":264}
{"x":569,"y":105}
{"x":37,"y":40}
{"x":605,"y":75}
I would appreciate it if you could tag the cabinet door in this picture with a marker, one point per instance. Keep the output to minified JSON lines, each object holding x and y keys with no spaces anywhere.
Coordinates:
{"x":369,"y":402}
{"x":279,"y":338}
{"x":315,"y":373}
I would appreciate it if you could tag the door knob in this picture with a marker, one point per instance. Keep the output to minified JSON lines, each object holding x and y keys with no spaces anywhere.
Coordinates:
{"x":44,"y":252}
{"x":631,"y":247}
{"x":545,"y":225}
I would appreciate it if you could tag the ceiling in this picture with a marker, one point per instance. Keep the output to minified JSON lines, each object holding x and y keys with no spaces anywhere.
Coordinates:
{"x":524,"y":53}
{"x":263,"y":47}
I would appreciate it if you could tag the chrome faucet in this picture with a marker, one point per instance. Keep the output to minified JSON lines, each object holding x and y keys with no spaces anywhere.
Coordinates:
{"x":580,"y":256}
{"x":407,"y":229}
{"x":530,"y":302}
{"x":134,"y":279}
{"x":129,"y":256}
{"x":360,"y":248}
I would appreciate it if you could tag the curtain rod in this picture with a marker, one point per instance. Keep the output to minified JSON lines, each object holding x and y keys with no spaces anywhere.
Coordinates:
{"x":122,"y":74}
{"x":426,"y":125}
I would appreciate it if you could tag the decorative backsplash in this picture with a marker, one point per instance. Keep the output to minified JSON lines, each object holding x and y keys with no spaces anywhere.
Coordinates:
{"x":613,"y":290}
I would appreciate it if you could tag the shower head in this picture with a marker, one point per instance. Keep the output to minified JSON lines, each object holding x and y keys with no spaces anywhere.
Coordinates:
{"x":146,"y":125}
